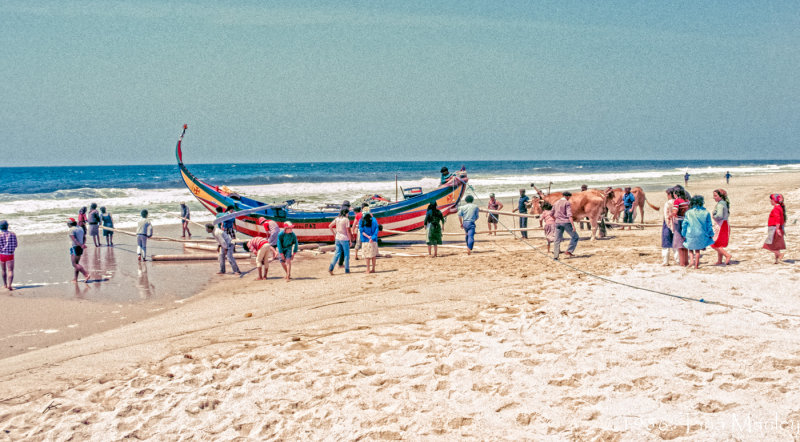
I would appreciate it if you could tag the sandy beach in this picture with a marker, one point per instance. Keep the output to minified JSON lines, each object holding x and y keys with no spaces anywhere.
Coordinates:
{"x":503,"y":344}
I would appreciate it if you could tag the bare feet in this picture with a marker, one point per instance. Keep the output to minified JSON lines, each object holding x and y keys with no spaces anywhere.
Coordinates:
{"x":220,"y":273}
{"x":259,"y":278}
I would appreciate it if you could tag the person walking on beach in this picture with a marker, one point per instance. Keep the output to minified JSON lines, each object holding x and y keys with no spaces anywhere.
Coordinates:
{"x":628,"y":201}
{"x":77,"y":238}
{"x":340,"y":227}
{"x":287,"y":247}
{"x":144,"y":231}
{"x":224,"y":247}
{"x":720,"y":216}
{"x":186,"y":215}
{"x":727,"y":177}
{"x":548,"y":219}
{"x":696,"y":229}
{"x":108,"y":221}
{"x":346,"y":207}
{"x":434,"y":220}
{"x":360,"y":211}
{"x":493,"y":218}
{"x":369,"y":229}
{"x":666,"y":228}
{"x":94,"y":224}
{"x":264,"y":253}
{"x":8,"y":244}
{"x":82,"y":218}
{"x":522,"y":207}
{"x":776,"y":235}
{"x":686,"y":179}
{"x":468,"y":216}
{"x":562,"y":212}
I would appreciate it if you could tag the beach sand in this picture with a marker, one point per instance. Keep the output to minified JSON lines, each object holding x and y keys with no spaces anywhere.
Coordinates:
{"x":504,"y":344}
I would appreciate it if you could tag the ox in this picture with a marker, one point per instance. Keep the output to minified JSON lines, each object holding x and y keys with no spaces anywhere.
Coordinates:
{"x":589,"y":204}
{"x":616,"y":206}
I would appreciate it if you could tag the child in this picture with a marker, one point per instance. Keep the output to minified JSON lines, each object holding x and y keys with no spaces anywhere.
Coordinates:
{"x":549,"y":223}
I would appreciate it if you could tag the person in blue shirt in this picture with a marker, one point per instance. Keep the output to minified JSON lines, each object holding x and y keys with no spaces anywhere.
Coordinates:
{"x":628,"y":200}
{"x":697,"y":229}
{"x":445,"y":175}
{"x":287,"y":247}
{"x":727,"y":177}
{"x":468,"y":216}
{"x":522,"y":207}
{"x":686,"y":179}
{"x":368,"y":230}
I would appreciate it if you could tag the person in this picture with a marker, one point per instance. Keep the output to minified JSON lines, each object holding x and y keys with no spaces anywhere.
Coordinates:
{"x":340,"y":227}
{"x":230,"y":225}
{"x":143,"y":231}
{"x":562,"y":212}
{"x":522,"y":207}
{"x":94,"y":224}
{"x":720,"y":216}
{"x":224,"y":247}
{"x":679,"y":208}
{"x":264,"y":253}
{"x":186,"y":215}
{"x":727,"y":177}
{"x":584,"y":223}
{"x":696,"y":229}
{"x":108,"y":221}
{"x":467,"y":216}
{"x":686,"y":179}
{"x":776,"y":235}
{"x":493,"y":218}
{"x":271,"y":230}
{"x":82,"y":218}
{"x":434,"y":220}
{"x":345,"y":206}
{"x":628,"y":201}
{"x":287,"y":247}
{"x":77,"y":239}
{"x":445,"y":175}
{"x":369,"y":229}
{"x":549,"y":223}
{"x":666,"y":228}
{"x":360,"y":211}
{"x":584,"y":187}
{"x":8,"y":244}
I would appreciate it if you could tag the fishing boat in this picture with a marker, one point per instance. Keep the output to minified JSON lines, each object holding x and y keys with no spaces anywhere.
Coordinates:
{"x":312,"y":226}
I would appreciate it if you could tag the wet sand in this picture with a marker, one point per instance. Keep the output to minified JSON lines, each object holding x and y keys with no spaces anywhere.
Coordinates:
{"x":503,"y":344}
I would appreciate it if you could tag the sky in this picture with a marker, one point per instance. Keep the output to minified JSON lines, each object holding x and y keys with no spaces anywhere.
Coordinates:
{"x":112,"y":82}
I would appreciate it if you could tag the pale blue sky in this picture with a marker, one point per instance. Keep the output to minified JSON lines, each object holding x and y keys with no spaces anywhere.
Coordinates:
{"x":106,"y":82}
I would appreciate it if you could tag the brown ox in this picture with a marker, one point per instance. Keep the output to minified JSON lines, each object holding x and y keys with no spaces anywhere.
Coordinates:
{"x":589,"y":204}
{"x":616,"y":206}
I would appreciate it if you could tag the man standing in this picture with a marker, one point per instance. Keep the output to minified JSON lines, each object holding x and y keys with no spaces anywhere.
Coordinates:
{"x":185,"y":216}
{"x":522,"y":207}
{"x":8,"y":244}
{"x":628,"y":201}
{"x":467,"y":216}
{"x":562,"y":211}
{"x":727,"y":177}
{"x":686,"y":179}
{"x":287,"y":247}
{"x":94,"y":224}
{"x":225,"y":248}
{"x":143,"y":231}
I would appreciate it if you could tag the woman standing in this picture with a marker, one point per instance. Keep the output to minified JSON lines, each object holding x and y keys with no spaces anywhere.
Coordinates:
{"x":82,"y":218}
{"x":369,"y":240}
{"x":721,"y":213}
{"x":107,"y":222}
{"x":549,"y":221}
{"x":775,"y":233}
{"x":666,"y":228}
{"x":493,"y":218}
{"x":433,"y":222}
{"x":340,"y":227}
{"x":697,"y":229}
{"x":679,"y":208}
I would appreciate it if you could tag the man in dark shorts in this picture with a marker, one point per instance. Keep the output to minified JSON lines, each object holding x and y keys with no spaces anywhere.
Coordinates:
{"x":77,"y":239}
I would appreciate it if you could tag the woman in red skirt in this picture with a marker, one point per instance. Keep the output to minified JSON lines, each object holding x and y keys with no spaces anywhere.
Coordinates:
{"x":720,"y":216}
{"x":775,"y":233}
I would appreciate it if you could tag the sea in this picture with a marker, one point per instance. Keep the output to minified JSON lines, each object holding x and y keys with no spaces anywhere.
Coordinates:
{"x":37,"y":200}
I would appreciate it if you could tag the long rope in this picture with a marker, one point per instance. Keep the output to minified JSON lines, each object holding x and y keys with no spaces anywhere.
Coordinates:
{"x":645,"y":289}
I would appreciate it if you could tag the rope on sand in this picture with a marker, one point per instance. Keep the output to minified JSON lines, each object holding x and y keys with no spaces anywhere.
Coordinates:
{"x":658,"y":292}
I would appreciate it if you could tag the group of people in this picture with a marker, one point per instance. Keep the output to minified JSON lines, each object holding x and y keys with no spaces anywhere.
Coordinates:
{"x":91,"y":221}
{"x":689,"y":228}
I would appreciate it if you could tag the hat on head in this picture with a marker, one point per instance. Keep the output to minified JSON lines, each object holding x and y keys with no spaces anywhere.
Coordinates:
{"x":288,"y":225}
{"x":491,"y":195}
